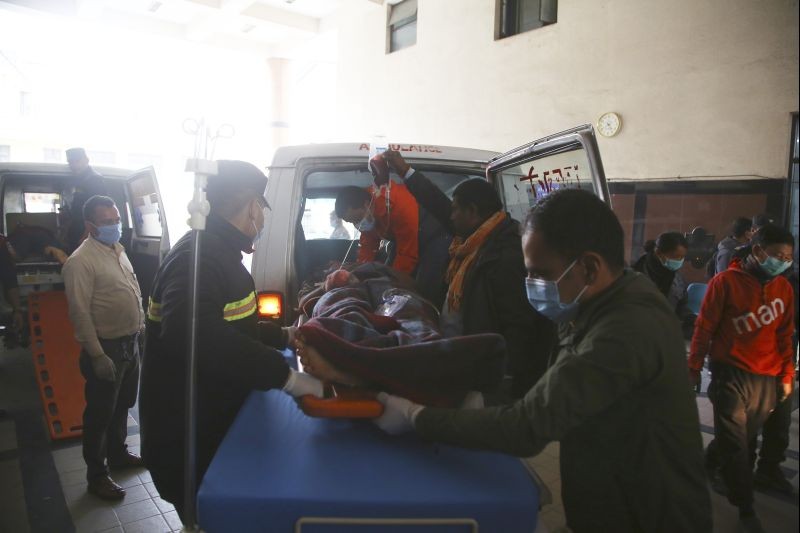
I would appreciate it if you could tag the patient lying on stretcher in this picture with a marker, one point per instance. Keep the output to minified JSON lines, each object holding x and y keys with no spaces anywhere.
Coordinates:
{"x":368,"y":328}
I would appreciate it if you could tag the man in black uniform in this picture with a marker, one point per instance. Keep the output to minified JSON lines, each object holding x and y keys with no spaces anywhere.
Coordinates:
{"x":90,"y":183}
{"x":234,"y":355}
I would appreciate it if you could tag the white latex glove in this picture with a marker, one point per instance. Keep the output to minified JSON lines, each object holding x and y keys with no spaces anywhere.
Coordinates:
{"x":103,"y":367}
{"x":398,"y":414}
{"x":473,"y":400}
{"x":302,"y":384}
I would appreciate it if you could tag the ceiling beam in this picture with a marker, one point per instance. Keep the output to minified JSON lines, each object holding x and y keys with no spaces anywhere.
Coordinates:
{"x":162,"y":28}
{"x":216,"y":4}
{"x":282,"y":17}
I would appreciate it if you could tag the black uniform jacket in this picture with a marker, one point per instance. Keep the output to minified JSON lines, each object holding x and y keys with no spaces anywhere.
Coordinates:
{"x":91,"y":184}
{"x":232,"y":357}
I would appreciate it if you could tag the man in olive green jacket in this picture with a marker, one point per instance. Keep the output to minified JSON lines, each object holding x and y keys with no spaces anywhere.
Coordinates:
{"x":615,"y":395}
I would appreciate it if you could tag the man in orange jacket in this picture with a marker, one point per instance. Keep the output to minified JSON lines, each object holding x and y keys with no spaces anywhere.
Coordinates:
{"x":392,"y":213}
{"x":745,"y":325}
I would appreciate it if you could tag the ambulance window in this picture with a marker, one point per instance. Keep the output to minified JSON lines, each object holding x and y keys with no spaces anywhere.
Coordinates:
{"x":525,"y":184}
{"x":319,"y":218}
{"x":320,"y":221}
{"x":42,"y":202}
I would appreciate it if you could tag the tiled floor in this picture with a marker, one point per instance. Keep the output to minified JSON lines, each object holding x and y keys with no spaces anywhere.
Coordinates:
{"x":140,"y":511}
{"x":25,"y":497}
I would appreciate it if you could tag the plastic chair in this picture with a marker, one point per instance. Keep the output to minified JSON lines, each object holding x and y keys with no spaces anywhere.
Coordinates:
{"x":694,"y":294}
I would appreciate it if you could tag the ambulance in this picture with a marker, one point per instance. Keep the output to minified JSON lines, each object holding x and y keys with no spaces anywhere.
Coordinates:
{"x":302,"y":235}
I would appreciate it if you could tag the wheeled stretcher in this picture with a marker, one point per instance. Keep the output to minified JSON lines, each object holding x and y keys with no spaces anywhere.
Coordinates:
{"x":281,"y":471}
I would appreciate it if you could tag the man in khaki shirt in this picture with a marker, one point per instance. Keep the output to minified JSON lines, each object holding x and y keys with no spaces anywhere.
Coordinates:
{"x":105,"y":308}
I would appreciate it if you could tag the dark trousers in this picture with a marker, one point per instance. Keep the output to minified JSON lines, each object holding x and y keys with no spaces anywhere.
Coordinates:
{"x":775,"y":433}
{"x":169,"y":484}
{"x":169,"y":478}
{"x":742,"y":403}
{"x":105,"y":418}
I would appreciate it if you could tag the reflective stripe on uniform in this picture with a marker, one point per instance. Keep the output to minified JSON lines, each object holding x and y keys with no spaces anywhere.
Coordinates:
{"x":233,"y":311}
{"x":240,"y":309}
{"x":154,"y":311}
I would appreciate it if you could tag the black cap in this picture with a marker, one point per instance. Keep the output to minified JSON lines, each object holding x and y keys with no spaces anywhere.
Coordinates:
{"x":234,"y":177}
{"x":75,"y":153}
{"x":763,"y":219}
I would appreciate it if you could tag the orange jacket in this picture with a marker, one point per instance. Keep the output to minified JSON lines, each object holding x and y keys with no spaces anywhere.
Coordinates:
{"x":401,"y":225}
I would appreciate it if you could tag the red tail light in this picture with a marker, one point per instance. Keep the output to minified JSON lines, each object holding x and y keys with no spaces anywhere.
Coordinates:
{"x":270,"y":305}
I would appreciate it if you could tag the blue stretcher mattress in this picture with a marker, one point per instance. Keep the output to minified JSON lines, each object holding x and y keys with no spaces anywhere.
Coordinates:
{"x":276,"y":466}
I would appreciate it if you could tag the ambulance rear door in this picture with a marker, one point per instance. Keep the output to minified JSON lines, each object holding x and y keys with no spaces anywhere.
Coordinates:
{"x":566,"y":160}
{"x":148,"y":241}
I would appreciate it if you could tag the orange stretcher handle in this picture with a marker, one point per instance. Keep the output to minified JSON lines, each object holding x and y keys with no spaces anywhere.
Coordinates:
{"x":342,"y":402}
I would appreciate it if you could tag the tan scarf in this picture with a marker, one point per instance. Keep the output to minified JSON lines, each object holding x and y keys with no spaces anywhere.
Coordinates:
{"x":463,"y":254}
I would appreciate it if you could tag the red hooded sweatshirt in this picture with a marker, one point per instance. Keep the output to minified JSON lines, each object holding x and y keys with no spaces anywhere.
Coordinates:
{"x":746,"y":324}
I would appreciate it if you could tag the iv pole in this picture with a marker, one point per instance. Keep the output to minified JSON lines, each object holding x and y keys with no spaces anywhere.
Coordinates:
{"x":198,"y":211}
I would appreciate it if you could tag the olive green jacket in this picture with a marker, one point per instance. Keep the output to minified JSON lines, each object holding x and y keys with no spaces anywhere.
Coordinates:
{"x":617,"y":398}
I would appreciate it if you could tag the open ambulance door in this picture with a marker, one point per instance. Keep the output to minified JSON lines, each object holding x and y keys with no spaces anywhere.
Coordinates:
{"x":526,"y":174}
{"x":147,"y":241}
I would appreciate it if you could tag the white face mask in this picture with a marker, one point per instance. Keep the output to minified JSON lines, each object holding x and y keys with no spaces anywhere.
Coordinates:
{"x":259,"y":232}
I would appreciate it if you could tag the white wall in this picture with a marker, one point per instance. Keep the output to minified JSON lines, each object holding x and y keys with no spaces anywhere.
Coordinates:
{"x":129,"y":96}
{"x":703,"y":87}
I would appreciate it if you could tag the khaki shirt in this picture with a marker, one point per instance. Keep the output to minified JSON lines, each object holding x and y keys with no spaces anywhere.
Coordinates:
{"x":103,"y":294}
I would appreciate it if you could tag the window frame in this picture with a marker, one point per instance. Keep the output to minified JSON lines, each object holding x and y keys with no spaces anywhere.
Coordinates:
{"x":392,"y":27}
{"x":548,"y":15}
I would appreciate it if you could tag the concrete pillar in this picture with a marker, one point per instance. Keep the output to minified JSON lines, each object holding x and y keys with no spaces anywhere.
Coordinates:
{"x":280,"y":79}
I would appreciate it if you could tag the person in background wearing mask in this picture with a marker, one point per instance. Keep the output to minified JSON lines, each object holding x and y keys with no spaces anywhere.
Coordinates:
{"x":745,"y":325}
{"x":741,"y":232}
{"x":339,"y":231}
{"x":662,"y":262}
{"x":761,"y":220}
{"x":775,"y":432}
{"x":105,"y":308}
{"x":615,"y":394}
{"x":236,"y":353}
{"x":89,"y":184}
{"x":485,"y":272}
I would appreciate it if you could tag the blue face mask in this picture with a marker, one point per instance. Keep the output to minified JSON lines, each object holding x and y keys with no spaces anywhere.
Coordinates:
{"x":773,"y":266}
{"x":543,"y":296}
{"x":673,"y":264}
{"x":109,"y":235}
{"x":366,"y":225}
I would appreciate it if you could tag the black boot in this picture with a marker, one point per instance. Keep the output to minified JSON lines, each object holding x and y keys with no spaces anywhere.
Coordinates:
{"x":748,"y":521}
{"x":771,"y":478}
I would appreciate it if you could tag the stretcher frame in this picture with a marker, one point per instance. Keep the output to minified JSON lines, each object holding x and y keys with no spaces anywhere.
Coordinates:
{"x":545,"y":498}
{"x":353,"y":521}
